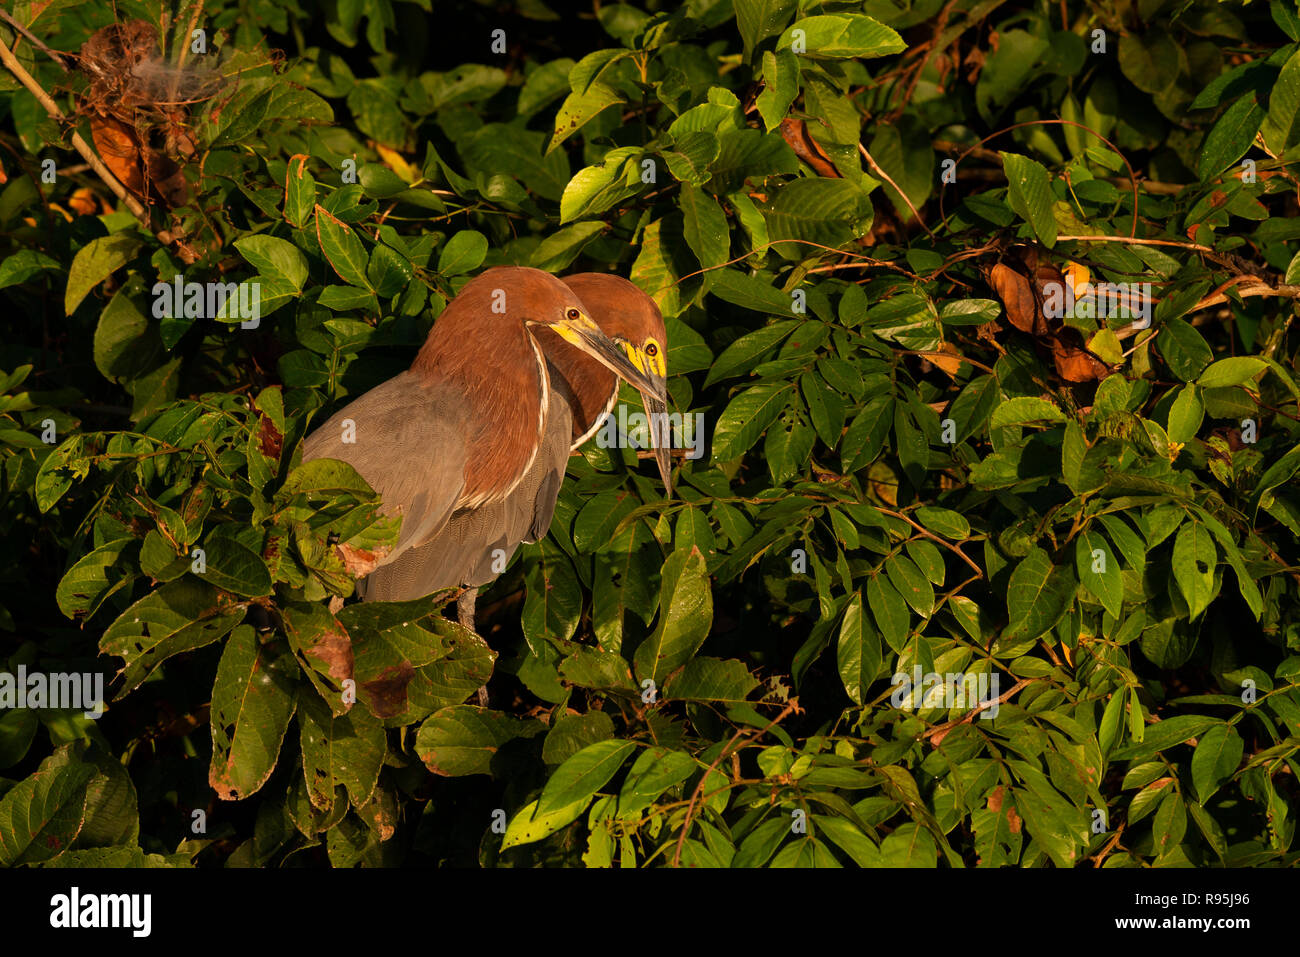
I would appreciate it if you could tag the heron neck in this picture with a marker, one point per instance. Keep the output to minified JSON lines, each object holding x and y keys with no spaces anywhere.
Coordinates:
{"x":590,"y":387}
{"x":501,"y":394}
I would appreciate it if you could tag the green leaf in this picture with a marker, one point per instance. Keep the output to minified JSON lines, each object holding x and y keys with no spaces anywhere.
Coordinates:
{"x":579,"y":109}
{"x":180,"y":616}
{"x":1099,"y":571}
{"x":889,"y":610}
{"x":24,"y":265}
{"x":342,"y":248}
{"x":462,"y":740}
{"x":580,"y":777}
{"x":595,"y":189}
{"x":692,"y":153}
{"x":1108,"y":733}
{"x":299,"y":193}
{"x":911,"y":584}
{"x":17,"y":731}
{"x":1281,"y":127}
{"x":41,"y":815}
{"x":840,"y":36}
{"x":705,"y":225}
{"x":1230,"y":138}
{"x":1216,"y":758}
{"x":1182,"y":347}
{"x":711,"y":679}
{"x":123,"y":345}
{"x":756,"y":20}
{"x":749,"y":292}
{"x":1194,"y":561}
{"x":780,"y":87}
{"x":1029,"y":191}
{"x":825,"y":407}
{"x":463,"y":253}
{"x":858,"y":653}
{"x":95,"y":576}
{"x":558,"y":250}
{"x":1038,"y":596}
{"x":1150,"y":59}
{"x":528,"y":826}
{"x":1164,"y":735}
{"x":235,"y":567}
{"x":389,"y":271}
{"x":252,"y":702}
{"x":276,"y":258}
{"x":553,"y":604}
{"x":827,"y":212}
{"x":1185,"y":415}
{"x":1053,"y":823}
{"x":1023,"y":409}
{"x":1237,"y":370}
{"x":685,"y":617}
{"x":654,"y":771}
{"x":599,"y":519}
{"x":787,"y":446}
{"x":746,"y":417}
{"x":95,"y":262}
{"x":943,"y":521}
{"x":345,"y":750}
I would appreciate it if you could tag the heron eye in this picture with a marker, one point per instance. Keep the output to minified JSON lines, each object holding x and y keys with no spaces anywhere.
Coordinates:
{"x":652,"y":350}
{"x":572,"y":315}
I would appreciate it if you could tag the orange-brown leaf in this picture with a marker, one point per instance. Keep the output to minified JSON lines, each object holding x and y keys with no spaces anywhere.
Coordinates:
{"x":119,"y":148}
{"x":1074,"y":363}
{"x":795,"y":132}
{"x":1013,"y":289}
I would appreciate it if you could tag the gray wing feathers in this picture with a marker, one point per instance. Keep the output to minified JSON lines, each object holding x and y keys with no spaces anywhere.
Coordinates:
{"x":462,"y":553}
{"x":407,"y":446}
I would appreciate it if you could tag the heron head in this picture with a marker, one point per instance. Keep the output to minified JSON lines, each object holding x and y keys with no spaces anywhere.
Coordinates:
{"x":633,"y":322}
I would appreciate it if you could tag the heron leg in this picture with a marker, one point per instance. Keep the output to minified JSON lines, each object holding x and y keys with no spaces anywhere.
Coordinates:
{"x":465,"y":614}
{"x":465,"y":608}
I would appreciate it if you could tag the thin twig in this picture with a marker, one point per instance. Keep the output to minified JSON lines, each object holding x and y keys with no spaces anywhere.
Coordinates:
{"x":1195,"y":247}
{"x":928,"y":534}
{"x":881,"y":174}
{"x":1110,"y":845}
{"x":791,"y":707}
{"x":937,"y":734}
{"x":33,"y":39}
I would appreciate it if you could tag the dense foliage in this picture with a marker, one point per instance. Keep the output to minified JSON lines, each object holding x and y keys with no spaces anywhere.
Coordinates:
{"x":856,"y":218}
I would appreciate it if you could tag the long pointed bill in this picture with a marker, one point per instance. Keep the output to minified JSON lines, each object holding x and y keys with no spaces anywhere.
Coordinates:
{"x":584,"y":334}
{"x":656,"y":410}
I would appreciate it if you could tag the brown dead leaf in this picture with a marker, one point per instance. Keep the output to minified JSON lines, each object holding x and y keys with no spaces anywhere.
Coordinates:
{"x":950,"y":366}
{"x":388,"y":691}
{"x":360,"y":562}
{"x":332,"y":652}
{"x":1074,"y":363}
{"x":1016,"y":295}
{"x":270,"y":441}
{"x":119,"y":148}
{"x":795,"y":132}
{"x":1046,"y":278}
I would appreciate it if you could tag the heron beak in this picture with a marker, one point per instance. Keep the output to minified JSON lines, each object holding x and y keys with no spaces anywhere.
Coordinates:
{"x":582,"y":333}
{"x":656,"y":409}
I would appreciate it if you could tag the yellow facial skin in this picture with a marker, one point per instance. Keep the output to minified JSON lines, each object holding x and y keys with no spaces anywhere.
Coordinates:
{"x":649,"y":358}
{"x":567,"y":329}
